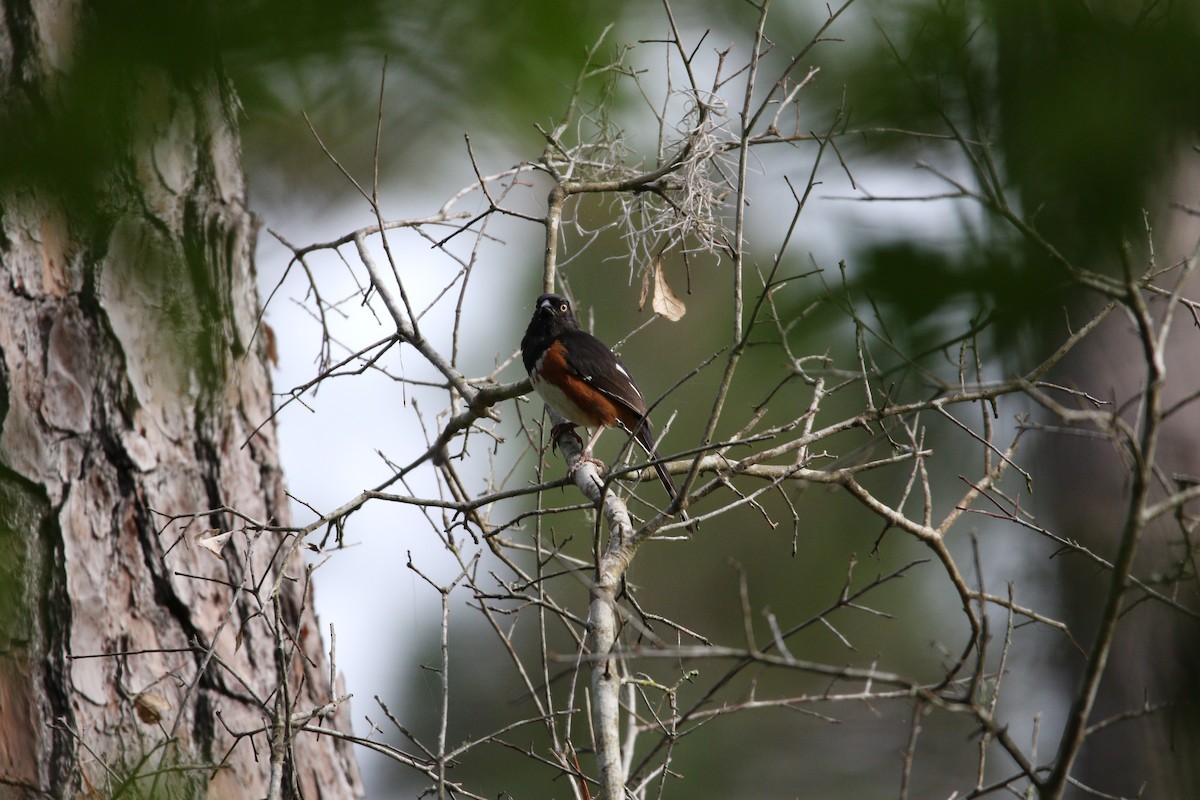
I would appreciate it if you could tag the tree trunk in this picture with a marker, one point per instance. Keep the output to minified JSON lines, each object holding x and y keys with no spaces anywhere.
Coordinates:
{"x":134,"y":660}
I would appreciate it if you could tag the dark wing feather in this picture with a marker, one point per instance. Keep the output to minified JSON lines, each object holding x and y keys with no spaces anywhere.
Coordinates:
{"x":592,"y":361}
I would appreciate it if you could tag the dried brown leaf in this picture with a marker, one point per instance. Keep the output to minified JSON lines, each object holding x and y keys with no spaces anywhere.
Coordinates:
{"x":151,"y":708}
{"x":215,"y":543}
{"x":665,"y":303}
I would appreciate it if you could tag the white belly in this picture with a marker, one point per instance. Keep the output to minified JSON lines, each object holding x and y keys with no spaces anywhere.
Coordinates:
{"x":554,"y":397}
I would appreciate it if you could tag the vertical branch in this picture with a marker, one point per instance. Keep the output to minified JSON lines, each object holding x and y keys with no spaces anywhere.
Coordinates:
{"x":445,"y":679}
{"x":606,"y":667}
{"x":606,"y":681}
{"x":281,"y":715}
{"x":738,"y":334}
{"x":1143,"y":450}
{"x":554,"y":209}
{"x":910,"y":749}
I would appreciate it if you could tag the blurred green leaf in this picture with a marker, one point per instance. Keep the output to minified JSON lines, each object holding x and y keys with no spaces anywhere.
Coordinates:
{"x":460,"y":65}
{"x":1074,"y":114}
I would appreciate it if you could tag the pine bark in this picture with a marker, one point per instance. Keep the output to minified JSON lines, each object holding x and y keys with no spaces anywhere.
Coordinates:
{"x":133,"y":381}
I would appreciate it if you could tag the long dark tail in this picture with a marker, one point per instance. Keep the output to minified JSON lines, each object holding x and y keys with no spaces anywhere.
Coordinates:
{"x":645,"y":436}
{"x":667,"y":481}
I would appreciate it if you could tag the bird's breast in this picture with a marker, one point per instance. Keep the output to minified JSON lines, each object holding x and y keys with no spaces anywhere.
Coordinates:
{"x":572,"y":397}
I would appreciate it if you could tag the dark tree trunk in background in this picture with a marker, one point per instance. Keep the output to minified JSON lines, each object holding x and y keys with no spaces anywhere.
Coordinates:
{"x":1157,"y":651}
{"x":131,"y":380}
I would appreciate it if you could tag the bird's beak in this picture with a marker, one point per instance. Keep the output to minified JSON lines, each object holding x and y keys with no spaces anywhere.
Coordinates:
{"x":544,"y":304}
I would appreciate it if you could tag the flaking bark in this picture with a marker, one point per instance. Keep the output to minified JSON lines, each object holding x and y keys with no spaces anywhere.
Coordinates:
{"x":131,"y":376}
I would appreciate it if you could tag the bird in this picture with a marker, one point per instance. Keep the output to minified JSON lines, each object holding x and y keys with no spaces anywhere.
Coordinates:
{"x":579,"y":377}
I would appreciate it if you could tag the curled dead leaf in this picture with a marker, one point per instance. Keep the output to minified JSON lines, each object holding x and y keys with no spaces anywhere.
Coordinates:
{"x":151,"y":708}
{"x":214,"y":543}
{"x":663,"y":301}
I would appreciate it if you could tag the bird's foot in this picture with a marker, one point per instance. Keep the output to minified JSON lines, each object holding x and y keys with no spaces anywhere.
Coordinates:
{"x":584,"y":458}
{"x":563,"y":429}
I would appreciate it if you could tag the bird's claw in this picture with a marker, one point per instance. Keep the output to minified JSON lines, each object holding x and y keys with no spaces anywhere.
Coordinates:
{"x":562,"y":429}
{"x":584,"y":459}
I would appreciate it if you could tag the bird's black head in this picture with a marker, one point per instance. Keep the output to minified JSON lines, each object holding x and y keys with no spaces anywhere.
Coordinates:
{"x":553,"y":310}
{"x":553,"y":305}
{"x":552,"y":316}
